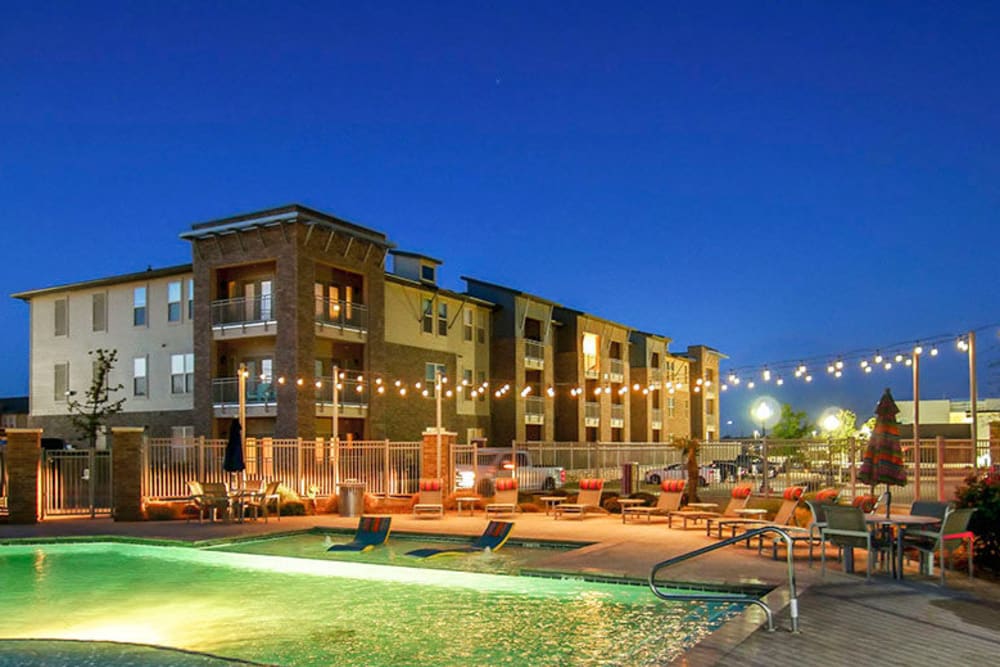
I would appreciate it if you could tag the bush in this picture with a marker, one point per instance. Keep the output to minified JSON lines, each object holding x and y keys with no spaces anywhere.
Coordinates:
{"x":162,"y":512}
{"x":983,"y":493}
{"x":291,"y":508}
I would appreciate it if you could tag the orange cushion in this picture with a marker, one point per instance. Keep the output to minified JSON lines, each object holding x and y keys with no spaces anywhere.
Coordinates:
{"x":505,"y":484}
{"x":430,"y":485}
{"x":741,"y":492}
{"x":672,"y":485}
{"x":591,"y":484}
{"x":792,"y":493}
{"x":866,"y":503}
{"x":827,"y":495}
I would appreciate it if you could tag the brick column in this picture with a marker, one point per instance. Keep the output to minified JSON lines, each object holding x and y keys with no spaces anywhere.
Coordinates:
{"x":24,"y":490}
{"x":428,"y":456}
{"x":126,"y":472}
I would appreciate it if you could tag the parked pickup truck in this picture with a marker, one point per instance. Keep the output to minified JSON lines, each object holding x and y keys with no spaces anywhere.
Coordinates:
{"x":496,"y":462}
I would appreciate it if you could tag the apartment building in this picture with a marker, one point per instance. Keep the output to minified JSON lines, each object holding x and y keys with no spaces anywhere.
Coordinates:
{"x":304,"y":304}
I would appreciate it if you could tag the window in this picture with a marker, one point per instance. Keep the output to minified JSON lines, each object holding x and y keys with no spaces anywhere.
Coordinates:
{"x":481,"y":329}
{"x":174,"y":301}
{"x":442,"y":318}
{"x":481,"y":378}
{"x":179,"y":434}
{"x":467,"y":316}
{"x":429,"y":371}
{"x":140,"y":382}
{"x":99,"y":312}
{"x":428,"y":316}
{"x":427,"y":273}
{"x":61,"y":382}
{"x":139,"y":307}
{"x":710,"y":374}
{"x":467,"y":382}
{"x":710,"y":406}
{"x":182,"y":373}
{"x":62,"y":317}
{"x":671,"y":406}
{"x":591,"y":364}
{"x":190,"y":295}
{"x":654,"y":360}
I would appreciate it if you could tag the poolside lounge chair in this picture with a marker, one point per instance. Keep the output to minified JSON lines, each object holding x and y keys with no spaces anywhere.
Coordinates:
{"x":672,"y":492}
{"x":810,"y":534}
{"x":846,"y":529}
{"x":372,"y":532}
{"x":504,"y":497}
{"x":431,"y":500}
{"x":589,"y":498}
{"x":492,"y":539}
{"x":783,"y":517}
{"x":953,"y":533}
{"x":737,"y":500}
{"x":208,"y":498}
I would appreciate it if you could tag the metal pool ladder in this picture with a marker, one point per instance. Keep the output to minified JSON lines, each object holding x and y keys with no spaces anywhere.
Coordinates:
{"x":741,"y":598}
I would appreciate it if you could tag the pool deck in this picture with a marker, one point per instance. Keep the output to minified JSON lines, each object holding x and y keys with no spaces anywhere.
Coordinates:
{"x":843,"y":620}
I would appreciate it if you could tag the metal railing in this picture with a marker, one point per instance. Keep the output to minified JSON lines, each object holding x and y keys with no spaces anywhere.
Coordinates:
{"x":343,"y":314}
{"x":242,"y":310}
{"x":592,"y":410}
{"x":738,"y":598}
{"x":534,"y":351}
{"x":616,"y":368}
{"x":534,"y":406}
{"x":76,"y":482}
{"x":3,"y":480}
{"x":225,"y":392}
{"x":617,"y":414}
{"x":352,"y":393}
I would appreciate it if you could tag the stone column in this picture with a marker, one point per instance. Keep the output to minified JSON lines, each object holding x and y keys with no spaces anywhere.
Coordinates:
{"x":429,"y":458}
{"x":126,"y":472}
{"x":24,"y":489}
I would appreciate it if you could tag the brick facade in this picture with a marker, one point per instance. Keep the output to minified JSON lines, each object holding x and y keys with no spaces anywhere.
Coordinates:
{"x":126,"y":471}
{"x":24,"y":455}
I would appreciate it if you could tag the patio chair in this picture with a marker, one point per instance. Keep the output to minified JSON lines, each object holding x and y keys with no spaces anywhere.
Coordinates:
{"x":492,"y":539}
{"x":431,"y":500}
{"x":504,"y":497}
{"x":930,"y":508}
{"x":260,"y":502}
{"x":846,"y":529}
{"x":784,"y":516}
{"x":954,"y":533}
{"x":208,"y":498}
{"x":672,"y":492}
{"x":738,"y":499}
{"x":372,"y":531}
{"x":589,"y":498}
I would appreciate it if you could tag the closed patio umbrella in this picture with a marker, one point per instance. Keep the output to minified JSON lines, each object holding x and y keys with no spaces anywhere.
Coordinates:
{"x":233,"y":461}
{"x":882,"y":462}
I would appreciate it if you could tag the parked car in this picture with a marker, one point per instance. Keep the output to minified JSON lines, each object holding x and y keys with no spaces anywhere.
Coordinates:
{"x":496,"y":462}
{"x":706,"y":474}
{"x":729,"y":470}
{"x":55,"y":444}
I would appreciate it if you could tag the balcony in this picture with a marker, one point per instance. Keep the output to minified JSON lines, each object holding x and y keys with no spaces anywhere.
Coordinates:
{"x":617,"y":415}
{"x":534,"y":354}
{"x":243,"y":317}
{"x":352,"y":396}
{"x":259,"y":397}
{"x":534,"y":410}
{"x":591,"y":413}
{"x":655,"y":376}
{"x":341,"y":319}
{"x":616,"y":370}
{"x":656,"y":418}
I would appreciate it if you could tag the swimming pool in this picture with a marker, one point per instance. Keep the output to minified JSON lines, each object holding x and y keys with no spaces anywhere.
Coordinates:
{"x":297,"y":611}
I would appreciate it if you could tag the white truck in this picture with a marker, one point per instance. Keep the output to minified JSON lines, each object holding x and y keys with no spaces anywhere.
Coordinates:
{"x":496,"y":462}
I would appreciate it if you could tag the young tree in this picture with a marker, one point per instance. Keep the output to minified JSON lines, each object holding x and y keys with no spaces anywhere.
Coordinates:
{"x":791,"y":425}
{"x":91,"y":415}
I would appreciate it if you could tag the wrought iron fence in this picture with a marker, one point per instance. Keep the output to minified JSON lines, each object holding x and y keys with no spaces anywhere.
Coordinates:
{"x":3,"y":480}
{"x":76,"y":482}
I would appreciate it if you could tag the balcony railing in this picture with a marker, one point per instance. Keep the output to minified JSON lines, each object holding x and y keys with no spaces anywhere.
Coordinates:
{"x":353,"y":393}
{"x":242,"y":311}
{"x":616,"y":368}
{"x":656,"y":417}
{"x":617,"y":415}
{"x":534,"y":354}
{"x":343,"y":314}
{"x":591,"y":413}
{"x":656,"y":375}
{"x":534,"y":410}
{"x":225,"y":392}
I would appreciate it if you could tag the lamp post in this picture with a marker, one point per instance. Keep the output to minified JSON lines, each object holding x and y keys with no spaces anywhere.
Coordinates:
{"x":830,"y":424}
{"x":763,"y":412}
{"x":334,"y":431}
{"x":437,"y":410}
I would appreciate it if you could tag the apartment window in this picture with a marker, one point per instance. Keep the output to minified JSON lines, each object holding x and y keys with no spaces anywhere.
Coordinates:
{"x":467,"y":316}
{"x":99,"y":312}
{"x":139,"y":307}
{"x":591,"y":363}
{"x":427,"y":273}
{"x":429,"y":371}
{"x":174,"y":301}
{"x":61,"y":382}
{"x":190,"y":295}
{"x":671,"y":406}
{"x":467,"y":381}
{"x":442,"y":318}
{"x":181,"y":434}
{"x":710,"y":374}
{"x":428,"y":315}
{"x":654,"y":360}
{"x":481,"y":378}
{"x":481,"y":329}
{"x":710,"y":406}
{"x":140,"y":381}
{"x":182,"y":373}
{"x":62,"y":317}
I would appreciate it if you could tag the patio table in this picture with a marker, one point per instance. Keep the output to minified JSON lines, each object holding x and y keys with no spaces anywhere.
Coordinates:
{"x":897,"y":523}
{"x":629,"y":502}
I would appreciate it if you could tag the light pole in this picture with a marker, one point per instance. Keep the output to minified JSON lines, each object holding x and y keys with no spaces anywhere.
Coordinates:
{"x":437,"y":409}
{"x":763,"y":413}
{"x":830,"y":424}
{"x":335,"y":426}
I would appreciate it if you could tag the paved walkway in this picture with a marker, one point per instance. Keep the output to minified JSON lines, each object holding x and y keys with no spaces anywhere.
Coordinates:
{"x":842,"y":619}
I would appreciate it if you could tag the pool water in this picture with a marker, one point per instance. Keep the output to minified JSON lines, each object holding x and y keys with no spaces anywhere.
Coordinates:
{"x":512,"y":558}
{"x":297,"y":611}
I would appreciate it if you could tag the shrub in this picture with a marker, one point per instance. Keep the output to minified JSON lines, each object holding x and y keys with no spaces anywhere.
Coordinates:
{"x":983,"y":493}
{"x":291,"y":508}
{"x":161,"y":512}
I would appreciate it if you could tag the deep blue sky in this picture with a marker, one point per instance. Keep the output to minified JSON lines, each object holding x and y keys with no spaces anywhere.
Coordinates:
{"x":777,"y":180}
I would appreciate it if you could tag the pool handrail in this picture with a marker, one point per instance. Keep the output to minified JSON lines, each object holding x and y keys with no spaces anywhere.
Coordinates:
{"x":739,"y":598}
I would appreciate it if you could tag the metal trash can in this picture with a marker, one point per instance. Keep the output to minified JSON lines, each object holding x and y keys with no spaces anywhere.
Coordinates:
{"x":630,"y":478}
{"x":351,"y":499}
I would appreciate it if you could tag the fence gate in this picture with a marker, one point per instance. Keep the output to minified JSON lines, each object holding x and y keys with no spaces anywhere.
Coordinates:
{"x":76,"y":482}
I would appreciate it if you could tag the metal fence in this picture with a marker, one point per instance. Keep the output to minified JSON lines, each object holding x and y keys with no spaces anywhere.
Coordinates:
{"x":3,"y":480}
{"x":76,"y":482}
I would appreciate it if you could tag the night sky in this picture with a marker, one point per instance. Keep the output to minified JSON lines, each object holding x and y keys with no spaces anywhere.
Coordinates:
{"x":778,"y":180}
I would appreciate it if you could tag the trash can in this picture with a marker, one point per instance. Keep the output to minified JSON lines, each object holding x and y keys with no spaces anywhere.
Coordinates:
{"x":630,"y":478}
{"x":351,"y":500}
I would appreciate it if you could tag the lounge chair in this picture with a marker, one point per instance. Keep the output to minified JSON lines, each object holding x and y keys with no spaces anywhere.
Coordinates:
{"x":431,"y":500}
{"x":672,"y":491}
{"x":811,"y":533}
{"x":737,"y":500}
{"x":208,"y":498}
{"x":783,"y":517}
{"x":589,"y":498}
{"x":492,"y":539}
{"x":846,"y":529}
{"x":954,"y":533}
{"x":504,"y":497}
{"x":372,"y":532}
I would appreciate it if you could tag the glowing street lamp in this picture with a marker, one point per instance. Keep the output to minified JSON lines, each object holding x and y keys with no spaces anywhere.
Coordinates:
{"x":763,"y":412}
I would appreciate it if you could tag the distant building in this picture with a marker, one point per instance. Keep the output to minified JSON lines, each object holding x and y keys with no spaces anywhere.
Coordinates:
{"x":14,"y":412}
{"x":953,"y":414}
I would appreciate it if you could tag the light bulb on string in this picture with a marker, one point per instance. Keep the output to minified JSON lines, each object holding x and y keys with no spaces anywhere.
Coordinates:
{"x":888,"y":365}
{"x":780,"y":381}
{"x":878,"y":358}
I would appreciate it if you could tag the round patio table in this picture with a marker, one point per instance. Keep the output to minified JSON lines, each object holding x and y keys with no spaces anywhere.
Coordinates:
{"x":897,"y":523}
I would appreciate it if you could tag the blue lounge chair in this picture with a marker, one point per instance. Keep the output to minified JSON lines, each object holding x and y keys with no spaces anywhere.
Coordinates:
{"x":493,"y":538}
{"x":372,"y":532}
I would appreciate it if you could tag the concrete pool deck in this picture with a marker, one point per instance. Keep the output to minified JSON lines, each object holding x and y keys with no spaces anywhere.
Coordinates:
{"x":843,"y":620}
